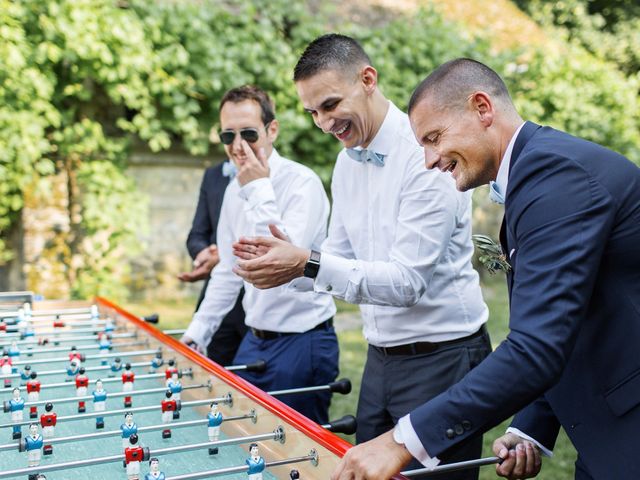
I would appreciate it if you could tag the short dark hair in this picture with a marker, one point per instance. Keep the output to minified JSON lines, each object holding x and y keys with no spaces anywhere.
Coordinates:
{"x":251,"y":92}
{"x":330,"y":52}
{"x":453,"y":81}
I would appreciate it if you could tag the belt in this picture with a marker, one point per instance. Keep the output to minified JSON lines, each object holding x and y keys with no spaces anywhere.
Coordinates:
{"x":419,"y":348}
{"x":269,"y":335}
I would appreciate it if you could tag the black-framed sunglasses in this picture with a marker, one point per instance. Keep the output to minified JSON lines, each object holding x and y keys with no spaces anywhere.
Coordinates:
{"x":248,"y":134}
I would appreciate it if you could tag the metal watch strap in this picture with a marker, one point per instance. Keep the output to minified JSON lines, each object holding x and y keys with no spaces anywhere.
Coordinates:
{"x":313,"y":265}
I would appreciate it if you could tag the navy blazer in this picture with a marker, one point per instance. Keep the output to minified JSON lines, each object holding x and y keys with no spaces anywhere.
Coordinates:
{"x":572,"y":236}
{"x":205,"y":221}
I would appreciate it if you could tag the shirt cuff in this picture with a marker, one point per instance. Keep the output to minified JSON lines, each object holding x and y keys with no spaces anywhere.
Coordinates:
{"x":333,"y":276}
{"x":405,"y":434}
{"x":199,"y":332}
{"x":301,"y":284}
{"x":257,"y":192}
{"x":523,"y":435}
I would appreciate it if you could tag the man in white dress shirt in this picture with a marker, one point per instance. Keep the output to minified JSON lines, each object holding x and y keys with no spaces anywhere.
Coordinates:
{"x":293,"y":333}
{"x":399,"y":244}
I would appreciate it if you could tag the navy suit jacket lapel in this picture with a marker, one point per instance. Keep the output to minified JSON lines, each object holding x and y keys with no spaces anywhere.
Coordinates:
{"x":527,"y":131}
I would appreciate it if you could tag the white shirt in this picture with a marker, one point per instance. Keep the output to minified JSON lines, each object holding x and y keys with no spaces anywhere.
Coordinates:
{"x":399,"y":244}
{"x":293,"y":199}
{"x":502,"y":179}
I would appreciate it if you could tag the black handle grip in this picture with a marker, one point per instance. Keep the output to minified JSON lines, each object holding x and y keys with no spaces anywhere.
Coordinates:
{"x":342,"y":386}
{"x":153,"y":318}
{"x":258,"y":366}
{"x":346,"y":425}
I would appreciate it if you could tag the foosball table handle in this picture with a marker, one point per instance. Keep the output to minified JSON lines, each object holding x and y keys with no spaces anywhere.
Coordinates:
{"x":342,"y":386}
{"x":258,"y":366}
{"x":346,"y":425}
{"x":153,"y":318}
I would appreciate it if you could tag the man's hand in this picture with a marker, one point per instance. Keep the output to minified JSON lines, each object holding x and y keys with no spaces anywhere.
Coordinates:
{"x":191,"y":343}
{"x":204,"y":262}
{"x":269,"y":262}
{"x":377,"y":459}
{"x":520,"y":458}
{"x":254,"y":167}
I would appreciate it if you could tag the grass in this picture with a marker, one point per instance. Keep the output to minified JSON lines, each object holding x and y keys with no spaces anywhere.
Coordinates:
{"x":176,"y":314}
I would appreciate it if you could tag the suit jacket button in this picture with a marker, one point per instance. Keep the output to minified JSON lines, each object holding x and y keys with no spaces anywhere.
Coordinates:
{"x":450,"y":433}
{"x":466,"y":424}
{"x":458,"y":429}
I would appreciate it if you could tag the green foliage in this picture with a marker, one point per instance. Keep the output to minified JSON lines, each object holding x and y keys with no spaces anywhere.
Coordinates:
{"x":80,"y":79}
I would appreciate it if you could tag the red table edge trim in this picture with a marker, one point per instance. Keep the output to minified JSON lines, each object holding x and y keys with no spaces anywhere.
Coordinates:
{"x":321,"y":435}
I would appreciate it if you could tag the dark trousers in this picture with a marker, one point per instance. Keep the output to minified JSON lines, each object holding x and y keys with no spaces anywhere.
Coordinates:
{"x":225,"y":342}
{"x":293,"y":361}
{"x":393,"y":385}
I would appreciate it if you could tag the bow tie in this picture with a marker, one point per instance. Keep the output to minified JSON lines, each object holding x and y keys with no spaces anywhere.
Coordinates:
{"x":364,"y":155}
{"x":494,"y":193}
{"x":229,"y":170}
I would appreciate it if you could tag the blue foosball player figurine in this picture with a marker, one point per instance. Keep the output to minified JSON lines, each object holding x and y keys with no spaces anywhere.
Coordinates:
{"x":128,"y":428}
{"x":214,"y":418}
{"x":16,"y":407}
{"x":116,"y":367}
{"x":99,"y":402}
{"x":156,"y":362}
{"x":154,"y":470}
{"x":32,"y":444}
{"x":255,"y":462}
{"x":25,"y":375}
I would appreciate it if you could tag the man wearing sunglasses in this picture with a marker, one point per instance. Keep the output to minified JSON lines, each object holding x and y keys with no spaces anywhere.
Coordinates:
{"x":293,"y":333}
{"x":399,"y":244}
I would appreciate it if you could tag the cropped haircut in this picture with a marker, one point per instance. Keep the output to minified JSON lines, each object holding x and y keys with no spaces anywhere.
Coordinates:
{"x":251,"y":92}
{"x":330,"y":52}
{"x":452,"y":83}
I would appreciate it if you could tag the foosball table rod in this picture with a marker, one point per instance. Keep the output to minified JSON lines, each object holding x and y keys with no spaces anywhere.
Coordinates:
{"x":452,"y":467}
{"x":150,"y":428}
{"x":88,"y":357}
{"x":79,"y":338}
{"x":45,"y":350}
{"x":277,"y":435}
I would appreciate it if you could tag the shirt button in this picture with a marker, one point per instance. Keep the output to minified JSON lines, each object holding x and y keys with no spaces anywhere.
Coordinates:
{"x":458,"y":429}
{"x":450,"y":433}
{"x":329,"y":288}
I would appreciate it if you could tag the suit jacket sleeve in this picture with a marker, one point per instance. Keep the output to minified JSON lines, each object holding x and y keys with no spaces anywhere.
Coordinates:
{"x":205,"y":220}
{"x":559,"y":219}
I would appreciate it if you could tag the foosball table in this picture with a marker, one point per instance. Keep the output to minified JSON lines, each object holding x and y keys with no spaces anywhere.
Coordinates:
{"x":93,"y":391}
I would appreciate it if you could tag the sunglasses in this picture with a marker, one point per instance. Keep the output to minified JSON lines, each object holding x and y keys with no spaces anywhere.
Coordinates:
{"x":248,"y":134}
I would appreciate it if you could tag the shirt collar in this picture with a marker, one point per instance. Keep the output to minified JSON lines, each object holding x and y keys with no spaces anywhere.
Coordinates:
{"x":503,"y":172}
{"x":385,"y":138}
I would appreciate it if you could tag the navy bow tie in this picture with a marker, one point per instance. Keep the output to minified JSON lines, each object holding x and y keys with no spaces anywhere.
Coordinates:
{"x":364,"y":155}
{"x":229,"y":170}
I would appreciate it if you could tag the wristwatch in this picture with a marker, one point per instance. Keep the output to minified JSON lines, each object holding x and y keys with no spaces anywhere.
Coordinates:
{"x":313,"y":265}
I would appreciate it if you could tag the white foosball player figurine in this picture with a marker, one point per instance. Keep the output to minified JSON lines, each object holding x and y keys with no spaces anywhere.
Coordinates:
{"x":128,"y":377}
{"x":133,"y":455}
{"x":82,"y":386}
{"x":175,"y":385}
{"x":33,"y":393}
{"x":215,"y":419}
{"x":48,"y":422}
{"x":128,"y":428}
{"x":16,"y":407}
{"x":32,"y":444}
{"x":99,"y":402}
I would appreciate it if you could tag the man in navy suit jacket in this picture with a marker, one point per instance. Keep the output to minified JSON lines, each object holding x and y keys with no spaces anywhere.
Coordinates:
{"x":201,"y":244}
{"x":571,"y":234}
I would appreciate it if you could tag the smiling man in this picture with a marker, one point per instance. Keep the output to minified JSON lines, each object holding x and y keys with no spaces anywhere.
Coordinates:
{"x":293,"y":333}
{"x":399,"y":244}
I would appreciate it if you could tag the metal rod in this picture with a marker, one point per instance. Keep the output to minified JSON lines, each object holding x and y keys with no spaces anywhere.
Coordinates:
{"x":184,"y":372}
{"x":132,"y":393}
{"x":122,"y":411}
{"x":240,"y":468}
{"x":88,"y":357}
{"x":174,"y":331}
{"x":86,"y":369}
{"x":452,"y":467}
{"x":69,"y":339}
{"x":275,"y":435}
{"x":16,"y":334}
{"x":115,"y":433}
{"x":94,"y":346}
{"x":318,"y":388}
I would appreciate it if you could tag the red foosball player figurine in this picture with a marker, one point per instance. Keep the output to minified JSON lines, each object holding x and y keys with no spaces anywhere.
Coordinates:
{"x":127,"y":384}
{"x":133,"y":455}
{"x":170,"y":370}
{"x":82,"y":386}
{"x":33,"y":393}
{"x":48,"y":422}
{"x":74,"y":353}
{"x":6,"y":367}
{"x":168,"y":406}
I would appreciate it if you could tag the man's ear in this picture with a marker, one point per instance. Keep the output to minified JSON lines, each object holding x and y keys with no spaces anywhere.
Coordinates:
{"x":369,"y":79}
{"x":272,"y":131}
{"x":482,"y":104}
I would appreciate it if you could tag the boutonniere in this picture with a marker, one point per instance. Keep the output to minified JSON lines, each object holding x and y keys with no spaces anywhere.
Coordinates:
{"x":491,"y":254}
